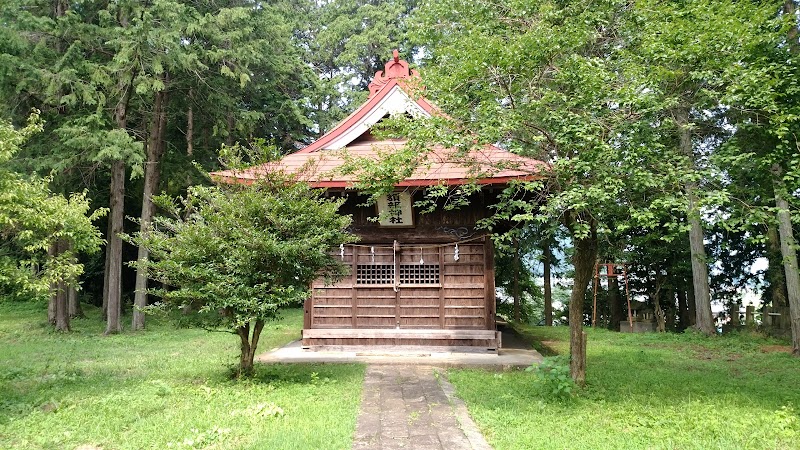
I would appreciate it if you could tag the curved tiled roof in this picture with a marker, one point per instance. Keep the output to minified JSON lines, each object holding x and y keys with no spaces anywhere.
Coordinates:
{"x":321,"y":162}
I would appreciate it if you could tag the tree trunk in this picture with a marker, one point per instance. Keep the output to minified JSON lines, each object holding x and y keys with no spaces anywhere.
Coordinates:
{"x":789,"y":257}
{"x":670,"y":311}
{"x":548,"y":290}
{"x":51,"y":303}
{"x":152,"y":172}
{"x":704,"y":321}
{"x":614,"y":304}
{"x":190,"y":124}
{"x":61,"y":8}
{"x":114,"y":249}
{"x":61,"y":307}
{"x":249,"y":345}
{"x":791,"y":36}
{"x":74,"y":303}
{"x":117,"y":209}
{"x":106,"y":271}
{"x":517,"y":312}
{"x":583,"y":261}
{"x":775,"y":272}
{"x":690,"y":303}
{"x":245,"y":363}
{"x":661,"y":325}
{"x":231,"y":123}
{"x":702,"y":293}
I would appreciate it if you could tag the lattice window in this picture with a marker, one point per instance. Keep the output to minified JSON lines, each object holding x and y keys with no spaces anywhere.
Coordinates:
{"x":375,"y":273}
{"x":419,"y":273}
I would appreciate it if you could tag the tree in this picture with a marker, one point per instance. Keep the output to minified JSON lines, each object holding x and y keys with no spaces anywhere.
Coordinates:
{"x":237,"y":254}
{"x":346,"y":42}
{"x":182,"y":75}
{"x":250,"y":81}
{"x":687,"y":54}
{"x":545,"y":82}
{"x":766,"y":146}
{"x":514,"y":276}
{"x":40,"y":233}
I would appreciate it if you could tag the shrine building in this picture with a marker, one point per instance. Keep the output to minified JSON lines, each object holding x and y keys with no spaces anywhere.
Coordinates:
{"x":418,"y":279}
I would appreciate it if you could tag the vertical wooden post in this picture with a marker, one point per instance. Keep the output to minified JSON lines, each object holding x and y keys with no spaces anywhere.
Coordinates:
{"x":353,"y":280}
{"x":488,"y":273}
{"x":750,"y":315}
{"x":441,"y":287}
{"x":307,"y":308}
{"x":397,"y":287}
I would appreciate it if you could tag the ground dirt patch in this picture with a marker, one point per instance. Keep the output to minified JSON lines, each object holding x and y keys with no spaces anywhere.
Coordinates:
{"x":552,"y":345}
{"x":776,"y":349}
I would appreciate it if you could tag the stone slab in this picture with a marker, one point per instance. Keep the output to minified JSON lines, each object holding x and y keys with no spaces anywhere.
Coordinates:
{"x":503,"y":359}
{"x":443,"y":423}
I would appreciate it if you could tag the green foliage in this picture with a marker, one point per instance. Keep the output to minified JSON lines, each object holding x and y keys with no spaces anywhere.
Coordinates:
{"x":553,"y":374}
{"x":515,"y":255}
{"x":148,"y":390}
{"x":346,"y":42}
{"x":32,"y":219}
{"x":591,"y":91}
{"x":531,"y":309}
{"x":236,"y":254}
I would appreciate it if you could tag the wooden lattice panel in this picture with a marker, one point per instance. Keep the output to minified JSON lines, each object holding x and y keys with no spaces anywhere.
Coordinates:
{"x":377,"y":273}
{"x":419,"y":273}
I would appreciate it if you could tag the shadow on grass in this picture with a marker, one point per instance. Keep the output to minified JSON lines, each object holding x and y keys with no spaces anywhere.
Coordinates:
{"x":310,"y":373}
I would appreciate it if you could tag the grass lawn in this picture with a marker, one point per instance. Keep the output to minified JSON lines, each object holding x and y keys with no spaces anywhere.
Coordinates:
{"x":163,"y":388}
{"x":670,"y":391}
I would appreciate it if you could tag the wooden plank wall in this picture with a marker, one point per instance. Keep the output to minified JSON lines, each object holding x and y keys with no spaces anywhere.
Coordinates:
{"x":463,"y":298}
{"x":464,"y":287}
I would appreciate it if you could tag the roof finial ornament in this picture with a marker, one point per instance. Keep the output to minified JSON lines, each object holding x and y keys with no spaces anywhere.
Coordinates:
{"x":395,"y":68}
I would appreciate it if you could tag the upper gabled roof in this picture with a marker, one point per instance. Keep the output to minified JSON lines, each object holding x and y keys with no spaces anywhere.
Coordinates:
{"x":387,"y":96}
{"x":390,"y":93}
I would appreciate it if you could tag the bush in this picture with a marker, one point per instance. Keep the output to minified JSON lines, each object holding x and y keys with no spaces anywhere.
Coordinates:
{"x":235,"y":255}
{"x":553,"y":374}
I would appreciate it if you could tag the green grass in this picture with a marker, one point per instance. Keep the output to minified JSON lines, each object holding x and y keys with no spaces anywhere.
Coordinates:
{"x":654,"y":391}
{"x":163,"y":388}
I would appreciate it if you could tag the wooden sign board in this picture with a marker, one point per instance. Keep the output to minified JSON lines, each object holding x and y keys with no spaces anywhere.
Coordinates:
{"x":394,"y":210}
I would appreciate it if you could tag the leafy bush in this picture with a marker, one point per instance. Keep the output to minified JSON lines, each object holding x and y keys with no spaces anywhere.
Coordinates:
{"x":33,"y":220}
{"x":553,"y":374}
{"x":231,"y":256}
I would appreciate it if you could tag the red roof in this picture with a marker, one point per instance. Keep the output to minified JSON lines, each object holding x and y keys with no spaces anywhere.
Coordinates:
{"x":320,"y":163}
{"x":489,"y":165}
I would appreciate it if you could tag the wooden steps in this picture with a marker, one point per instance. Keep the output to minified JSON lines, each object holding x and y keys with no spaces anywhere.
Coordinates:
{"x":414,"y":337}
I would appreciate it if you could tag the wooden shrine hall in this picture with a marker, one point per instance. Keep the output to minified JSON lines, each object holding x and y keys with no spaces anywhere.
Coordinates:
{"x":415,"y":279}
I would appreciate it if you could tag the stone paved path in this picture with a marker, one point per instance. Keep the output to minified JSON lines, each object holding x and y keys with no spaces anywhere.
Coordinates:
{"x":409,"y":407}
